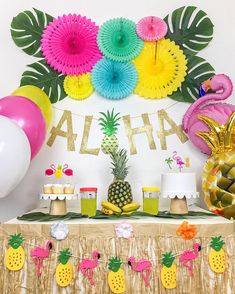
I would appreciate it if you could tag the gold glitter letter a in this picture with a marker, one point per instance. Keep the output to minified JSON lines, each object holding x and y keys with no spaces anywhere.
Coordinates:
{"x":69,"y":135}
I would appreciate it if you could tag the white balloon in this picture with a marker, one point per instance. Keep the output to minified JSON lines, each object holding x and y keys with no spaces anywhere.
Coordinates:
{"x":14,"y":155}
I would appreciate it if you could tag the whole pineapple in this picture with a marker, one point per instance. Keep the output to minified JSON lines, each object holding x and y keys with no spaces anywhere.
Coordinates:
{"x":116,"y":276}
{"x":217,"y":258}
{"x":218,"y":177}
{"x":109,"y":124}
{"x":168,"y":271}
{"x":64,"y":270}
{"x":119,"y":192}
{"x":15,"y":256}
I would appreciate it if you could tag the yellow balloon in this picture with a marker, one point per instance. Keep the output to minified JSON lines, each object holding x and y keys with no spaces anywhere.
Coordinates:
{"x":39,"y":97}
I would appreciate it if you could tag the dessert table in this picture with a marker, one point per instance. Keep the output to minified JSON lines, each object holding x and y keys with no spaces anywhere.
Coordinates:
{"x":152,"y":236}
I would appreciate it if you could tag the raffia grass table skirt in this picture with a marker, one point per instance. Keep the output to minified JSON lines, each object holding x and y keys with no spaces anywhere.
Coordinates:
{"x":152,"y":237}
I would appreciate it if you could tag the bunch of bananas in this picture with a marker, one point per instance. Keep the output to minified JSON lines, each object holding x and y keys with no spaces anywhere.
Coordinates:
{"x":109,"y":208}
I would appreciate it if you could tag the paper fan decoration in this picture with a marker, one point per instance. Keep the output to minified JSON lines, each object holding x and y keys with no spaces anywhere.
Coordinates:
{"x":151,"y":28}
{"x":117,"y":39}
{"x":69,"y":44}
{"x":114,"y":80}
{"x":161,"y":67}
{"x":78,"y":87}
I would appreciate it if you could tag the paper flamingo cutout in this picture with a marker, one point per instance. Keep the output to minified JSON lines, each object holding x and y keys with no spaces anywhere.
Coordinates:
{"x":39,"y":254}
{"x":143,"y":266}
{"x":87,"y":266}
{"x":188,"y":256}
{"x":179,"y":161}
{"x":220,"y":112}
{"x":59,"y":170}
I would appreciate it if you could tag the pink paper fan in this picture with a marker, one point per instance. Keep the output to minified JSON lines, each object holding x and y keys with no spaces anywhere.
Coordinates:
{"x":151,"y":28}
{"x":69,"y":44}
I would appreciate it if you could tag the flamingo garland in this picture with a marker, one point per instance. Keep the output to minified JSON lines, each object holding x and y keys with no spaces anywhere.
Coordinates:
{"x":188,"y":256}
{"x":87,"y":266}
{"x":143,"y":266}
{"x":39,"y":254}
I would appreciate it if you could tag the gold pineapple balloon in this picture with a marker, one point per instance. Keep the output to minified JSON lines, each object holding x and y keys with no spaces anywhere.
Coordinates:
{"x":218,"y":177}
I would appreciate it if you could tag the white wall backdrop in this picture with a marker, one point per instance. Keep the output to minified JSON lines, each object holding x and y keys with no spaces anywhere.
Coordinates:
{"x":90,"y":170}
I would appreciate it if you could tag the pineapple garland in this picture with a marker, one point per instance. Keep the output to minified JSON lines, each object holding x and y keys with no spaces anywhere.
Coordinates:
{"x":116,"y":276}
{"x":109,"y":125}
{"x":15,"y":256}
{"x":218,"y":177}
{"x":217,"y":259}
{"x":64,"y":270}
{"x":168,"y":271}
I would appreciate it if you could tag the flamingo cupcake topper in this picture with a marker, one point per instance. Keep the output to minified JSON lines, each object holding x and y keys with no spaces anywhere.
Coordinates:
{"x":220,"y":112}
{"x":59,"y":171}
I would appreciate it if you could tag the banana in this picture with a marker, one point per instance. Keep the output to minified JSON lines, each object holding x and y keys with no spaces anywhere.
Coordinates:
{"x":128,"y":213}
{"x":131,"y":207}
{"x":111,"y":206}
{"x":107,"y":211}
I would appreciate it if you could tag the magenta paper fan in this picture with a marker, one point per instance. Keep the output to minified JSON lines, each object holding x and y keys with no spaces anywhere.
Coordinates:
{"x":69,"y":44}
{"x":151,"y":28}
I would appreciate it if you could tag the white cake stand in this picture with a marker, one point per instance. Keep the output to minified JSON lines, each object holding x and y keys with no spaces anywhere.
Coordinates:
{"x":58,"y":204}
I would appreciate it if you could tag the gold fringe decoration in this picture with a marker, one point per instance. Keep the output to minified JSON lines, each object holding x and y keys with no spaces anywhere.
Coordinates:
{"x":150,"y":241}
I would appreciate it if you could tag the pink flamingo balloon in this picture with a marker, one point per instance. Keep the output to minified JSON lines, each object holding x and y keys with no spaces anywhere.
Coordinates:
{"x":87,"y":266}
{"x":220,"y":112}
{"x":188,"y":256}
{"x":39,"y":254}
{"x":143,"y":266}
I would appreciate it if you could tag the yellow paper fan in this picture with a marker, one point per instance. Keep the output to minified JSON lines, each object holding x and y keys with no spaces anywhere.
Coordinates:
{"x":161,"y":67}
{"x":78,"y":87}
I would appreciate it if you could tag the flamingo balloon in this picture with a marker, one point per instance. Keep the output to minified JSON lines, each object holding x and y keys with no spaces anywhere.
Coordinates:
{"x":220,"y":112}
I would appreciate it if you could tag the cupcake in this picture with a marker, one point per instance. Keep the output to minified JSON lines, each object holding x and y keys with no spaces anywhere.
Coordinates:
{"x":68,"y":189}
{"x":47,"y":189}
{"x":58,"y":189}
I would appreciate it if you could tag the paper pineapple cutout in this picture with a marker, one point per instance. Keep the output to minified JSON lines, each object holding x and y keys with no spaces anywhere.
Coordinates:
{"x":109,"y":124}
{"x":64,"y":270}
{"x":218,"y":178}
{"x":217,"y":259}
{"x":116,"y":276}
{"x":15,"y":256}
{"x":119,"y":192}
{"x":168,"y":271}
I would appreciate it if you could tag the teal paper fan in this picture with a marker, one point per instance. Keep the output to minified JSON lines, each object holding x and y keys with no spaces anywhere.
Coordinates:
{"x":114,"y":80}
{"x":118,"y":40}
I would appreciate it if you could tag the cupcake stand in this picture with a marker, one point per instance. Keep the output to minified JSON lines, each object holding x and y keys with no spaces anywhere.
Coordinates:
{"x":58,"y":204}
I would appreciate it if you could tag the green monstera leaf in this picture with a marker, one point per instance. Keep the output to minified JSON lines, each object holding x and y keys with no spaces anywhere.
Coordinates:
{"x":199,"y":70}
{"x":27,"y":28}
{"x":190,"y":28}
{"x":44,"y":77}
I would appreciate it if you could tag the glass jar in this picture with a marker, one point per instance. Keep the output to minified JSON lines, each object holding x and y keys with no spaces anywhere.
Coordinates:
{"x":88,"y":201}
{"x":151,"y":199}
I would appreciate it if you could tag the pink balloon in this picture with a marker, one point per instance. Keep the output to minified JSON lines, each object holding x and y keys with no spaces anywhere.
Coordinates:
{"x":28,"y":116}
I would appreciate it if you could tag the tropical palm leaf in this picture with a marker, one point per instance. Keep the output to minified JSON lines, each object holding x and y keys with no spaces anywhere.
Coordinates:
{"x":190,"y":28}
{"x":44,"y":77}
{"x":199,"y":70}
{"x":27,"y":28}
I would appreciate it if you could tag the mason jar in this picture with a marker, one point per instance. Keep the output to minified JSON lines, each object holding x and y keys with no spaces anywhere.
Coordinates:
{"x":88,"y":201}
{"x":151,"y":199}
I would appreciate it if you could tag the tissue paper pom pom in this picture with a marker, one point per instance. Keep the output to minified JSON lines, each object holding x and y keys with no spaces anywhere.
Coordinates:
{"x":151,"y":28}
{"x":69,"y":44}
{"x":114,"y":80}
{"x":78,"y":87}
{"x":117,"y":39}
{"x":59,"y":231}
{"x":161,"y":67}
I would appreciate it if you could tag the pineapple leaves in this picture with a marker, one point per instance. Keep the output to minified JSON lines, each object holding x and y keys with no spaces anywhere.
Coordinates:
{"x":168,"y":259}
{"x":109,"y":122}
{"x":114,"y":264}
{"x":119,"y":163}
{"x":64,"y":256}
{"x":27,"y":28}
{"x":190,"y":28}
{"x":15,"y":240}
{"x":217,"y":243}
